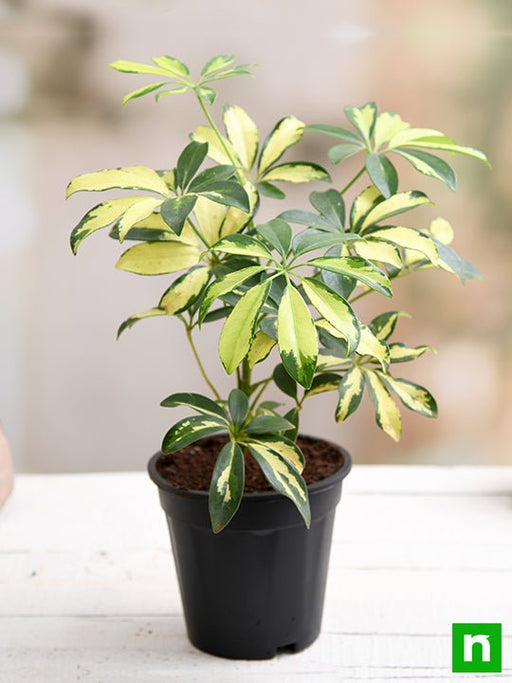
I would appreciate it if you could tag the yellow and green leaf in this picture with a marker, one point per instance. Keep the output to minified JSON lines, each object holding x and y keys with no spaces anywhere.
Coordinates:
{"x":287,"y":132}
{"x":398,"y":203}
{"x":363,"y":118}
{"x":297,"y":338}
{"x":296,"y":172}
{"x":242,"y":245}
{"x":128,"y":178}
{"x":441,"y":229}
{"x":408,"y":238}
{"x":159,"y":258}
{"x":387,"y":413}
{"x":221,"y":152}
{"x":370,"y":345}
{"x":184,"y":291}
{"x":285,"y":448}
{"x":261,"y":346}
{"x":202,"y":404}
{"x":135,"y":213}
{"x":413,"y":396}
{"x":388,"y":125}
{"x":384,"y":324}
{"x":242,"y":133}
{"x":227,"y":486}
{"x":400,"y":353}
{"x":326,"y":381}
{"x":226,"y":284}
{"x":378,"y":251}
{"x":362,"y":205}
{"x":189,"y":430}
{"x":350,"y":391}
{"x":130,"y":322}
{"x":357,"y":268}
{"x":236,"y":219}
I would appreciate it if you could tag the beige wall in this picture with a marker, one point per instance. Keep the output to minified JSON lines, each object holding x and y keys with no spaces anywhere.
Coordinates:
{"x":71,"y":397}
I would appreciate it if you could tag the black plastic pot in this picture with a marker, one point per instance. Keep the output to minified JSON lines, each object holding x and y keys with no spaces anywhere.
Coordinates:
{"x":258,"y":586}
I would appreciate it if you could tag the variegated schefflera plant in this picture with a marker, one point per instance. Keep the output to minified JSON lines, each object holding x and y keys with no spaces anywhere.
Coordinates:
{"x":285,"y":288}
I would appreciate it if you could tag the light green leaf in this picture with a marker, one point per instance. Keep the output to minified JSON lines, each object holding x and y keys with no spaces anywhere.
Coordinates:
{"x":400,"y":353}
{"x":386,"y":411}
{"x":227,"y":486}
{"x":242,"y":245}
{"x":221,"y":152}
{"x":350,"y":391}
{"x":172,"y":65}
{"x":408,"y":238}
{"x":331,"y":206}
{"x":384,"y":324}
{"x":335,"y":131}
{"x":363,"y":118}
{"x":140,"y":92}
{"x":334,"y":309}
{"x":184,"y":291}
{"x":242,"y":133}
{"x":127,"y":178}
{"x":452,"y":262}
{"x":216,"y":64}
{"x":224,"y":285}
{"x":430,"y":165}
{"x":176,"y":210}
{"x":202,"y":404}
{"x":158,"y":258}
{"x":296,"y":172}
{"x":277,"y":233}
{"x":171,"y":91}
{"x":130,"y":322}
{"x":298,"y":344}
{"x":378,"y":251}
{"x":382,"y":173}
{"x":327,"y":381}
{"x":363,"y":204}
{"x":282,"y":476}
{"x":286,"y":133}
{"x":441,"y":230}
{"x":239,"y":329}
{"x":135,"y":213}
{"x":207,"y":94}
{"x":137,"y":68}
{"x":260,"y":348}
{"x":399,"y":203}
{"x":190,"y":430}
{"x":236,"y":219}
{"x":413,"y":396}
{"x":355,"y":267}
{"x":339,"y":153}
{"x":370,"y":345}
{"x":388,"y":125}
{"x":312,"y":240}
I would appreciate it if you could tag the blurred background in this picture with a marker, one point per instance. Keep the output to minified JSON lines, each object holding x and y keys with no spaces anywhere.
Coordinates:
{"x":74,"y":399}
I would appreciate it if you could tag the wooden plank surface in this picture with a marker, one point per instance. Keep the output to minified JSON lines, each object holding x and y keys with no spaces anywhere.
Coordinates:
{"x":88,"y":590}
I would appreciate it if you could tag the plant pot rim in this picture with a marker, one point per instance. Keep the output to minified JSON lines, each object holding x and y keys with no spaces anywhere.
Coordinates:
{"x":165,"y":485}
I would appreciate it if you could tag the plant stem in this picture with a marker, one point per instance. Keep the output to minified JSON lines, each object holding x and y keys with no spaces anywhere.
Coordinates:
{"x":200,"y":364}
{"x":260,"y":392}
{"x":219,"y":136}
{"x":354,"y":179}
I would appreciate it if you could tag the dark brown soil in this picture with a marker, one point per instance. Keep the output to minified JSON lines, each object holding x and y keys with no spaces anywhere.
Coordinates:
{"x":192,"y":467}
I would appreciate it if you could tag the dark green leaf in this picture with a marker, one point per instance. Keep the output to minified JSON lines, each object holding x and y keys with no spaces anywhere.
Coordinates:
{"x":356,"y":267}
{"x":189,"y":162}
{"x":175,"y":211}
{"x":268,"y":424}
{"x":270,"y":190}
{"x":228,"y":193}
{"x":202,"y":404}
{"x":190,"y":430}
{"x":238,"y":406}
{"x":204,"y":180}
{"x":311,"y":240}
{"x":277,"y":233}
{"x":331,"y":206}
{"x":284,"y":382}
{"x":227,"y":486}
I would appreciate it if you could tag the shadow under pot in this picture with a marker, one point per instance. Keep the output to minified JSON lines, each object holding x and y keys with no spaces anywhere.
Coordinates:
{"x":257,"y":587}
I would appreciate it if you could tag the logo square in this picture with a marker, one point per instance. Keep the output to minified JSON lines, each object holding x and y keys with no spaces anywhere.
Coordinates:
{"x":476,"y":648}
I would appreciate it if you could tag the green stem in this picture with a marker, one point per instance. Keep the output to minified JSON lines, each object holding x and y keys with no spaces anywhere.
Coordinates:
{"x":354,"y":179}
{"x":199,"y":363}
{"x":245,"y":385}
{"x":260,"y":392}
{"x":198,"y":232}
{"x":219,"y":137}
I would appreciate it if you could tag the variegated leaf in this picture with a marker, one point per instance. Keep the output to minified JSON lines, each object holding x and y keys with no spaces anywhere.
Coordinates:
{"x":158,"y":258}
{"x":222,"y":153}
{"x":327,"y":381}
{"x":382,"y":173}
{"x":286,"y":133}
{"x":363,"y":204}
{"x":236,"y":219}
{"x":138,"y":68}
{"x":224,"y":285}
{"x":135,"y":213}
{"x":387,"y":413}
{"x":202,"y":404}
{"x":243,"y":245}
{"x":242,"y":133}
{"x":363,"y":118}
{"x":128,"y":178}
{"x":350,"y":391}
{"x":370,"y":345}
{"x":189,"y":430}
{"x":283,"y":477}
{"x":227,"y":486}
{"x":405,"y":137}
{"x":400,"y":353}
{"x":408,"y":238}
{"x":388,"y":125}
{"x":216,"y":64}
{"x":101,"y":216}
{"x":296,"y":172}
{"x":355,"y":267}
{"x":184,"y":291}
{"x":441,"y":230}
{"x":285,"y":448}
{"x":413,"y":396}
{"x":430,"y":165}
{"x":398,"y":203}
{"x":297,"y":339}
{"x":239,"y":329}
{"x":378,"y":251}
{"x":334,"y":309}
{"x":384,"y":324}
{"x":209,"y":216}
{"x":261,"y":347}
{"x":446,"y":144}
{"x":140,"y":92}
{"x":130,"y":322}
{"x":172,"y":66}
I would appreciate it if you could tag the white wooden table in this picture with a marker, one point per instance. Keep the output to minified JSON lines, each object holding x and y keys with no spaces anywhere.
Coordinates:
{"x":88,"y":590}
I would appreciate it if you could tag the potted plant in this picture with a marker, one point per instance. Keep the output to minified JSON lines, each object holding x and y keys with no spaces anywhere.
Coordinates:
{"x":249,"y":501}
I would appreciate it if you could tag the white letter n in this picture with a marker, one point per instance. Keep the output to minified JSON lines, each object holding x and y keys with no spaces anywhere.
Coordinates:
{"x":469,"y":642}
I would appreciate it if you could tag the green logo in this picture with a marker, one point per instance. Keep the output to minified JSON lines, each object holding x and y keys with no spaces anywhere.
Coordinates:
{"x":476,"y":648}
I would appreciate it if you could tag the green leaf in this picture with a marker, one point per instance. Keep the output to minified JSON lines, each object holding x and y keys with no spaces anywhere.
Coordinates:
{"x":327,"y":381}
{"x":449,"y":260}
{"x":296,"y":172}
{"x":277,"y":233}
{"x":202,"y":404}
{"x":171,"y":65}
{"x":158,"y":258}
{"x":189,"y":430}
{"x":283,"y":447}
{"x":228,"y":193}
{"x":386,"y":411}
{"x":363,"y":204}
{"x":375,"y":250}
{"x":334,"y":309}
{"x":239,"y":329}
{"x":140,"y":92}
{"x":135,"y":213}
{"x":176,"y":210}
{"x":184,"y":291}
{"x":242,"y":245}
{"x":430,"y":165}
{"x":261,"y":346}
{"x":305,"y":218}
{"x":171,"y":91}
{"x":101,"y":216}
{"x":350,"y":391}
{"x":268,"y":424}
{"x":384,"y":324}
{"x":446,"y":144}
{"x":224,"y":285}
{"x":339,"y":153}
{"x":382,"y":173}
{"x":298,"y":344}
{"x":189,"y":162}
{"x":238,"y":406}
{"x":216,"y":64}
{"x":282,"y":476}
{"x":400,"y":353}
{"x":227,"y":486}
{"x":207,"y":94}
{"x":312,"y":240}
{"x":388,"y":125}
{"x":413,"y":396}
{"x":284,"y":382}
{"x":242,"y":133}
{"x":203,"y":181}
{"x":335,"y":131}
{"x":287,"y":132}
{"x":130,"y":322}
{"x":399,"y":203}
{"x":269,"y":190}
{"x":127,"y":178}
{"x":330,"y":206}
{"x":292,"y":416}
{"x":408,"y":238}
{"x":371,"y":345}
{"x":355,"y":267}
{"x":363,"y":118}
{"x":137,"y":68}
